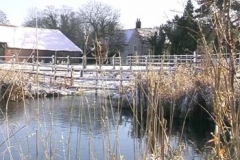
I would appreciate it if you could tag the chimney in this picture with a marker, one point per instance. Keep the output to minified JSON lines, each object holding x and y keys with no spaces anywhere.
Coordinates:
{"x":138,"y":23}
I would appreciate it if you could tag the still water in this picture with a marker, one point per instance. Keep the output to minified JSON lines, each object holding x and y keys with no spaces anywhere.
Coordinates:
{"x":80,"y":127}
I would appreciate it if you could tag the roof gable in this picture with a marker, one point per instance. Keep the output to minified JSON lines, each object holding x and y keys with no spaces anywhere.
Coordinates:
{"x":36,"y":38}
{"x":143,"y":33}
{"x":128,"y":34}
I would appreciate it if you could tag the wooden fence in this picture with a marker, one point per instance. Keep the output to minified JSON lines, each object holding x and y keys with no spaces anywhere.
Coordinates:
{"x":166,"y":60}
{"x":61,"y":67}
{"x":77,"y":76}
{"x":157,"y":60}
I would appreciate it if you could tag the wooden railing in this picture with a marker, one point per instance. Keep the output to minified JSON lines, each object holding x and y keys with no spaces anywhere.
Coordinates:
{"x":77,"y":76}
{"x":166,"y":60}
{"x":73,"y":73}
{"x":145,"y":60}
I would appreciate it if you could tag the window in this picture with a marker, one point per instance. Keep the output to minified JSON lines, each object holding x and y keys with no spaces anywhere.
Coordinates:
{"x":134,"y":48}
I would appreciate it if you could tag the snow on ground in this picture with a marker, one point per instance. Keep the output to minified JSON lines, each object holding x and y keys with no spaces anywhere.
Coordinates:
{"x":61,"y":80}
{"x":107,"y":79}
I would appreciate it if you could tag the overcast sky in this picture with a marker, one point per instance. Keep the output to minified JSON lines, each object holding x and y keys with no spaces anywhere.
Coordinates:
{"x":151,"y":12}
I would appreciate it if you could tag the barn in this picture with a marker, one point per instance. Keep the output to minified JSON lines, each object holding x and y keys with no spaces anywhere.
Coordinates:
{"x":24,"y":42}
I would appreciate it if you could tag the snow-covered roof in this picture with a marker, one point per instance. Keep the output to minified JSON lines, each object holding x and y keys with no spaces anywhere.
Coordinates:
{"x":36,"y":38}
{"x":145,"y":33}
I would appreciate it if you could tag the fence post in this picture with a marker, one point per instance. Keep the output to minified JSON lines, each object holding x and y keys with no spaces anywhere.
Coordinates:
{"x":68,"y":61}
{"x":175,"y":60}
{"x":130,"y":62}
{"x":33,"y":61}
{"x":52,"y":67}
{"x":14,"y":59}
{"x":81,"y":72}
{"x":137,"y":60}
{"x":50,"y":82}
{"x":65,"y":80}
{"x":53,"y":59}
{"x":96,"y":83}
{"x":72,"y":78}
{"x":146,"y":62}
{"x":120,"y":61}
{"x":159,"y":60}
{"x":38,"y":67}
{"x":194,"y":58}
{"x":55,"y":71}
{"x":113,"y":62}
{"x":84,"y":61}
{"x":120,"y":86}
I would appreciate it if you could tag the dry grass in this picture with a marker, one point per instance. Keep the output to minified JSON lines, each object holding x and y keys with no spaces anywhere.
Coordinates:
{"x":14,"y":85}
{"x":174,"y":85}
{"x":212,"y":81}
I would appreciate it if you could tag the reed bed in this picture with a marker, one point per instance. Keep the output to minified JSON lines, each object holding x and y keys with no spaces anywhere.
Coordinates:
{"x":207,"y":90}
{"x":164,"y":92}
{"x":14,"y":85}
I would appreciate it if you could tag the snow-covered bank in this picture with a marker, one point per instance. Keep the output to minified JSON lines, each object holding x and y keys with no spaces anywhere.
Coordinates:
{"x":43,"y":83}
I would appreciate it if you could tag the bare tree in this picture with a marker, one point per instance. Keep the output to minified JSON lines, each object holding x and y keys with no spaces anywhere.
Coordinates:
{"x":70,"y":25}
{"x":104,"y":27}
{"x":3,"y":18}
{"x":64,"y":19}
{"x":34,"y":18}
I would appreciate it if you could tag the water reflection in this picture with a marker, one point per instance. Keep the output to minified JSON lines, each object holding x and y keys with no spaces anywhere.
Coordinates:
{"x":77,"y":128}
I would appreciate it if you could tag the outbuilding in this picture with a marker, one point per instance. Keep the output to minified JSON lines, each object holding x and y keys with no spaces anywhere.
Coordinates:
{"x":26,"y":42}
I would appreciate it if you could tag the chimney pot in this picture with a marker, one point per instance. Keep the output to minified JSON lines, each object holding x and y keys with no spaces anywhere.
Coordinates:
{"x":138,"y":23}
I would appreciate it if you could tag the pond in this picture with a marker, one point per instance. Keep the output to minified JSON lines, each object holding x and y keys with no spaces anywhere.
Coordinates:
{"x":81,"y":127}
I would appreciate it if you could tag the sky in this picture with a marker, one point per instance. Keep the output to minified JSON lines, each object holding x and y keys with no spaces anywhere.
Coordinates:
{"x":152,"y":13}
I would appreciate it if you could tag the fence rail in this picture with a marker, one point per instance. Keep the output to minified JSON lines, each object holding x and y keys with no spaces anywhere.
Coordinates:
{"x":146,"y":60}
{"x":169,"y":60}
{"x":165,"y":60}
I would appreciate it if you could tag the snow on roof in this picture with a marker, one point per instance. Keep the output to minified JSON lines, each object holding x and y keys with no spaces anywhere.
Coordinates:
{"x":32,"y":38}
{"x":145,"y":33}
